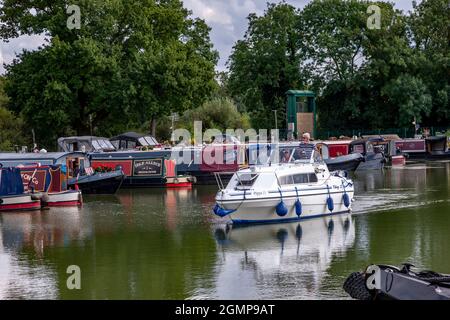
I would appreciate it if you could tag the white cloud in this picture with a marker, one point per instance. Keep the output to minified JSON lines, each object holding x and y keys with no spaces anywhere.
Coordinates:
{"x":9,"y":50}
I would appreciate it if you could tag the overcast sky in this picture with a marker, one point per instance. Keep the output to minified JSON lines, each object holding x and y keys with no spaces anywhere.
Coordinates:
{"x":227,"y":18}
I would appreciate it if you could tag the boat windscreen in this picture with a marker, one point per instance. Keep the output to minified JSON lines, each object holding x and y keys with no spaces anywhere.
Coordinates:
{"x":143,"y":142}
{"x":302,"y":153}
{"x":152,"y":141}
{"x":246,"y":179}
{"x":102,"y":145}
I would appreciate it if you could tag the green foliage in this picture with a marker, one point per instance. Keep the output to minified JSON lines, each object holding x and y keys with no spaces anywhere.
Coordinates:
{"x":131,"y":61}
{"x":265,"y":64}
{"x":11,"y":127}
{"x":409,"y":95}
{"x":364,"y":77}
{"x":218,"y":113}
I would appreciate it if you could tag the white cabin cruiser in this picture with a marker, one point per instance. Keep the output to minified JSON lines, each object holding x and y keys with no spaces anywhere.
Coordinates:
{"x":299,"y":186}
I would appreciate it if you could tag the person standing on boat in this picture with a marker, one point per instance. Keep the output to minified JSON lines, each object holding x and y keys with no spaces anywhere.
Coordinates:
{"x":306,"y":138}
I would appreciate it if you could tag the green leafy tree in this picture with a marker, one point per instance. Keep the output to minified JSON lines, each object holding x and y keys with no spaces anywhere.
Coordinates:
{"x":11,"y":128}
{"x":265,"y":64}
{"x":429,"y":32}
{"x":333,"y":33}
{"x":410,"y":95}
{"x":130,"y":62}
{"x":218,"y":113}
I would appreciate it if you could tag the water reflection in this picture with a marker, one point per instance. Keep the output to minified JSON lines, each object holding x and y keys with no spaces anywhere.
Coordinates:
{"x":24,"y":238}
{"x":166,"y":244}
{"x":287,"y":261}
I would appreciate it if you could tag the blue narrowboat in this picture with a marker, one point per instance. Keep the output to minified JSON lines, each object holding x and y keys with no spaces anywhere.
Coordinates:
{"x":75,"y":165}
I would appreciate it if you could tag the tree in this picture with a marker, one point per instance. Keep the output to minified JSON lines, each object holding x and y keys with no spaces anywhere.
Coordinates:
{"x":217,"y":113}
{"x":429,"y":33}
{"x":11,"y":128}
{"x":265,"y":64}
{"x":333,"y":32}
{"x":130,"y":62}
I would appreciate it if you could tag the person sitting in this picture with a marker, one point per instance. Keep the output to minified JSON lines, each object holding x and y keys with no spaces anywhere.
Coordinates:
{"x":285,"y":156}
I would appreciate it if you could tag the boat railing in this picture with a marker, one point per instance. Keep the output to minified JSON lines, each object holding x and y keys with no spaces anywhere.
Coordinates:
{"x":242,"y":185}
{"x":218,"y":177}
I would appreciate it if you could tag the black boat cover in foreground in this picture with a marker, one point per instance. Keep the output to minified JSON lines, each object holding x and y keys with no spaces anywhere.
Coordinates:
{"x":382,"y":282}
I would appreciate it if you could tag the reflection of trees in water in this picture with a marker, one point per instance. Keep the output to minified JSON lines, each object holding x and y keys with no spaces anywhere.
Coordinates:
{"x":159,"y":264}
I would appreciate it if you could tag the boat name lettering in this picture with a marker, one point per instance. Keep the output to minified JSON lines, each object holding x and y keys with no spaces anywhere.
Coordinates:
{"x":147,"y":167}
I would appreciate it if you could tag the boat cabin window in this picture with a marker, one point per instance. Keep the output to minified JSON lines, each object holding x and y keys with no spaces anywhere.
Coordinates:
{"x":298,"y":179}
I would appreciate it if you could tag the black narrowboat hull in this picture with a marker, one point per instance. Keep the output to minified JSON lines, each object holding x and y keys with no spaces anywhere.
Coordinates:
{"x":141,"y":182}
{"x":428,"y":156}
{"x":209,"y":178}
{"x":345,"y":163}
{"x":99,"y":183}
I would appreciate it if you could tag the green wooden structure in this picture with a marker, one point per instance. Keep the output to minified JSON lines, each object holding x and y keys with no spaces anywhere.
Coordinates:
{"x":295,"y":107}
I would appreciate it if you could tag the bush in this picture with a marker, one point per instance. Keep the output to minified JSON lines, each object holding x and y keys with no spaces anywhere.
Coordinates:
{"x":218,"y":113}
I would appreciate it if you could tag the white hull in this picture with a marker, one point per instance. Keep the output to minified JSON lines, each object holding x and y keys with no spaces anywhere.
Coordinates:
{"x":301,"y":188}
{"x":64,"y":199}
{"x":264,"y":209}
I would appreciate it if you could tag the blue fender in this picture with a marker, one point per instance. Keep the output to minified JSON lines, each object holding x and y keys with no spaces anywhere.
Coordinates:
{"x":281,"y":209}
{"x":298,"y":208}
{"x":221,"y":212}
{"x":346,"y":200}
{"x":330,"y":204}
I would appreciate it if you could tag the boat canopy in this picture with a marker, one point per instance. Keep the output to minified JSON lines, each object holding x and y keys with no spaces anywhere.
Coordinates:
{"x":437,"y":144}
{"x":85,"y":144}
{"x":10,"y":182}
{"x":131,"y":140}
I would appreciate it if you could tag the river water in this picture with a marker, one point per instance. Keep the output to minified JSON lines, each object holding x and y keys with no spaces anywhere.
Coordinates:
{"x":166,"y":244}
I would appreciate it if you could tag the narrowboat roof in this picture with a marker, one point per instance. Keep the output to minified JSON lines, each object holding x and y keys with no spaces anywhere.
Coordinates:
{"x":132,"y":154}
{"x":436,"y":138}
{"x":382,"y":136}
{"x":363,"y":141}
{"x":38,"y":156}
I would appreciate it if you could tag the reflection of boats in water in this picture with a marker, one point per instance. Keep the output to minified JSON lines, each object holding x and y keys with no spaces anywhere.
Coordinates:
{"x":290,"y":254}
{"x":54,"y":227}
{"x":17,"y":280}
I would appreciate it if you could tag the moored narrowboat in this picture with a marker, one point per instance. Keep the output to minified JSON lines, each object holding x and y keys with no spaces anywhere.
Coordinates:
{"x":430,"y":148}
{"x":76,"y":166}
{"x":141,"y":168}
{"x":49,"y":184}
{"x":374,"y":158}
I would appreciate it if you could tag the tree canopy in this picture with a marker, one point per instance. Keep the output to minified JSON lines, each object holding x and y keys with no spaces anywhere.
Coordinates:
{"x":131,"y":61}
{"x":364,"y":77}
